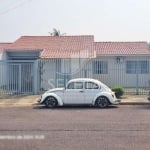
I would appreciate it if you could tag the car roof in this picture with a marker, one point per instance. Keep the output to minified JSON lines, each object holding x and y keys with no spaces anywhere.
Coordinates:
{"x":85,"y":80}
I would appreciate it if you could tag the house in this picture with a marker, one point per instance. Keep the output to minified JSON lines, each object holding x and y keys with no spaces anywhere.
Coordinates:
{"x":55,"y":53}
{"x":124,"y":63}
{"x":37,"y":63}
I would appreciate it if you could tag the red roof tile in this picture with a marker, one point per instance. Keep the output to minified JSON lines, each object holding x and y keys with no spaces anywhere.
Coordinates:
{"x":82,"y":46}
{"x":3,"y":45}
{"x":54,"y":47}
{"x":122,"y":48}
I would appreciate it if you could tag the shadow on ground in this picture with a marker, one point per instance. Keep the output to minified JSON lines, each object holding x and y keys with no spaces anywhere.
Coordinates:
{"x":72,"y":107}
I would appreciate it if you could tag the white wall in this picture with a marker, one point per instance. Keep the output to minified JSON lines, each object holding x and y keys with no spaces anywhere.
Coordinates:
{"x":117,"y":73}
{"x":48,"y":75}
{"x":3,"y":69}
{"x":3,"y":55}
{"x":77,"y":68}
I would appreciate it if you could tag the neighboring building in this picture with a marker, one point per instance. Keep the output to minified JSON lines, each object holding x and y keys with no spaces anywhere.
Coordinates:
{"x":41,"y":62}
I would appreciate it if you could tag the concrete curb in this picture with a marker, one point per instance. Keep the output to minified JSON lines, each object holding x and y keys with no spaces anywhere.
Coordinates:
{"x":31,"y":100}
{"x":134,"y":103}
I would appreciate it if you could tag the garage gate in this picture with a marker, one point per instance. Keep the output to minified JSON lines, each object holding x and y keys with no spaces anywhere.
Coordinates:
{"x":17,"y":77}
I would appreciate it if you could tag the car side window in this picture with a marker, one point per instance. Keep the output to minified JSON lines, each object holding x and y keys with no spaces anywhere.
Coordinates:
{"x":78,"y":85}
{"x":70,"y":85}
{"x":75,"y":85}
{"x":91,"y":85}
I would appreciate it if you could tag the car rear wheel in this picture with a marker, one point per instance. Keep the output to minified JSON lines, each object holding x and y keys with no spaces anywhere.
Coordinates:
{"x":102,"y":102}
{"x":51,"y":102}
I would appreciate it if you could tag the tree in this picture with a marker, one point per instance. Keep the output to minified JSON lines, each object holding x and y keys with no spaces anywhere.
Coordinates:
{"x":56,"y":33}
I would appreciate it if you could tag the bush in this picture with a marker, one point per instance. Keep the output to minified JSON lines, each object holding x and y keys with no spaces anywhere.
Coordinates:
{"x":119,"y":91}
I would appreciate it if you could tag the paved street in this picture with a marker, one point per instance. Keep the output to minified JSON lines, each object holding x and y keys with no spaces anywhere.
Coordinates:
{"x":122,"y":127}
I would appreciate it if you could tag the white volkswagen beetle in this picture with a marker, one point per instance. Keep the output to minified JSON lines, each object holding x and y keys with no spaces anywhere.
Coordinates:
{"x":80,"y":91}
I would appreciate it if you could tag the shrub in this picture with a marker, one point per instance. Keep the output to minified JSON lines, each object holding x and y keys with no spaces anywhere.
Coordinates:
{"x":119,"y":91}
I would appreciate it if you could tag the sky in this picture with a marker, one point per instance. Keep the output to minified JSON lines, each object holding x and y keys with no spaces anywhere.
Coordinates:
{"x":107,"y":20}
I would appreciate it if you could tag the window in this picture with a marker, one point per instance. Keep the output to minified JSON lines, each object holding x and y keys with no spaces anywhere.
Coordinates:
{"x":75,"y":85}
{"x":100,"y":67}
{"x":91,"y":85}
{"x":133,"y":67}
{"x":70,"y":86}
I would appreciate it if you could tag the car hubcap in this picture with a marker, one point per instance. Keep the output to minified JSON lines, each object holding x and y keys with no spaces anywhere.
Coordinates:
{"x":50,"y":102}
{"x":102,"y":102}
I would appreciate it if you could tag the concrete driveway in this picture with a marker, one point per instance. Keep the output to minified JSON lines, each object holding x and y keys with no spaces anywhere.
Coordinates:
{"x":18,"y":100}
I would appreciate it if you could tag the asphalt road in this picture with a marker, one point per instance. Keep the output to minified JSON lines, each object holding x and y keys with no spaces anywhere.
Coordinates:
{"x":75,"y":128}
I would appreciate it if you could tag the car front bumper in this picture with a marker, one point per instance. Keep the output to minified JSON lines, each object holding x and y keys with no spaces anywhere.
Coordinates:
{"x":39,"y":100}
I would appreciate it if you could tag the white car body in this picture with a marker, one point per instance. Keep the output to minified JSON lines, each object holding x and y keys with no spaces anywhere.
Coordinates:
{"x":80,"y":91}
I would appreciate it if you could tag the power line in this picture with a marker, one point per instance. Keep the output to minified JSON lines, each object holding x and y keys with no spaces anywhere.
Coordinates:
{"x":6,"y":4}
{"x":13,"y":6}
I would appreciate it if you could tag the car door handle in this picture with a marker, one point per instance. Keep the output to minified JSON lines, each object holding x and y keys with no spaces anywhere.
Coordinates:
{"x":81,"y":91}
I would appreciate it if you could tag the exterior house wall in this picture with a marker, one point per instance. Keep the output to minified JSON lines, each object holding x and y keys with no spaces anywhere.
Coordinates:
{"x":47,"y":74}
{"x":117,"y":75}
{"x":3,"y":55}
{"x":81,"y":68}
{"x":56,"y":72}
{"x":3,"y":69}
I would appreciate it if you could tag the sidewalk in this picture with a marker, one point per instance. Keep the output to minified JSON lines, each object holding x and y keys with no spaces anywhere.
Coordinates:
{"x":135,"y":100}
{"x":30,"y":100}
{"x":19,"y":100}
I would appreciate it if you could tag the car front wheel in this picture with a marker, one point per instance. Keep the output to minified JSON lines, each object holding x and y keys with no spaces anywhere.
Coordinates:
{"x":102,"y":102}
{"x":50,"y":102}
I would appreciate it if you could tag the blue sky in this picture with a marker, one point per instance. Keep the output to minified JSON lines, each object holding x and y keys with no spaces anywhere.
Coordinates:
{"x":107,"y":20}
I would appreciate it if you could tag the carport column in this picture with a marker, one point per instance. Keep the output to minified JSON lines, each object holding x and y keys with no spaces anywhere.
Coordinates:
{"x":35,"y":73}
{"x":137,"y":80}
{"x":19,"y":80}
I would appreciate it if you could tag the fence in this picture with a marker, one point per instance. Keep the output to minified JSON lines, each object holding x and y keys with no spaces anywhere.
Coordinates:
{"x":16,"y":77}
{"x":133,"y":74}
{"x":32,"y":77}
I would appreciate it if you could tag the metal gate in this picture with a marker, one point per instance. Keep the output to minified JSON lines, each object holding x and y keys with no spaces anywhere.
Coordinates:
{"x":16,"y":77}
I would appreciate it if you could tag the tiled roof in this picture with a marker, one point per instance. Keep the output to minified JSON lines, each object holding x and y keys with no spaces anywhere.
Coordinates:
{"x":3,"y":45}
{"x":122,"y":48}
{"x":82,"y":46}
{"x":54,"y":47}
